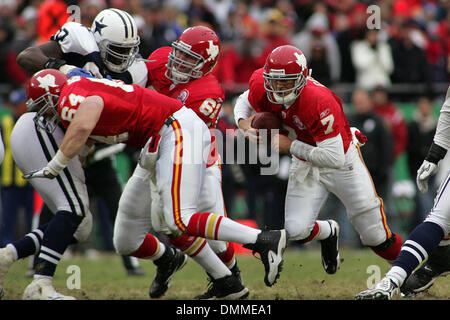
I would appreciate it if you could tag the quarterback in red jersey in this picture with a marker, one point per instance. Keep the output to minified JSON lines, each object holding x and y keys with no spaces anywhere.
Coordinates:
{"x":324,"y":157}
{"x":183,"y":72}
{"x":97,"y":109}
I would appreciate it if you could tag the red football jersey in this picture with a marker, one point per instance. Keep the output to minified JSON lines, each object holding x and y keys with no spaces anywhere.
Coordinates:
{"x":131,"y":114}
{"x":314,"y":116}
{"x":204,"y":95}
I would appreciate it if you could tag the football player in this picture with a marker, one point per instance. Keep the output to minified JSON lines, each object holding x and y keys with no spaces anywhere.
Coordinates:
{"x":107,"y":49}
{"x":324,"y":158}
{"x":67,"y":197}
{"x":425,"y":239}
{"x":175,"y":145}
{"x":183,"y":72}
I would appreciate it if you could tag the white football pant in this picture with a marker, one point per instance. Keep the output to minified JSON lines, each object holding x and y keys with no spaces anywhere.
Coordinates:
{"x":308,"y":189}
{"x":32,"y":149}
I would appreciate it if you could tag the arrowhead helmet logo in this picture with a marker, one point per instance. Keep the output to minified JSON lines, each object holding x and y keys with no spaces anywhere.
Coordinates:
{"x":47,"y":81}
{"x":213,"y":50}
{"x":301,"y":60}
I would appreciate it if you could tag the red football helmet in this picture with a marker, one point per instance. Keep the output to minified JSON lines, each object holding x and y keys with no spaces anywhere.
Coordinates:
{"x":282,"y":64}
{"x":43,"y":91}
{"x":193,"y":55}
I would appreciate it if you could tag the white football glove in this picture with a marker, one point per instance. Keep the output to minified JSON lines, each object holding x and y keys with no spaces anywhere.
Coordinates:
{"x":426,"y":170}
{"x":45,"y":172}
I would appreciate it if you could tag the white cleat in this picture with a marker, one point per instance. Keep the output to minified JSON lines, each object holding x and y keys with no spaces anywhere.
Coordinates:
{"x":42,"y":289}
{"x":6,"y":260}
{"x":384,"y":290}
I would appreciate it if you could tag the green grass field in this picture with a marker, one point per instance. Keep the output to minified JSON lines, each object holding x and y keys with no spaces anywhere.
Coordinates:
{"x":302,"y":278}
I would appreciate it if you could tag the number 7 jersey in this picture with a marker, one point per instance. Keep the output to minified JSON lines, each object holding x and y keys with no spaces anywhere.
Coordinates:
{"x":314,"y":116}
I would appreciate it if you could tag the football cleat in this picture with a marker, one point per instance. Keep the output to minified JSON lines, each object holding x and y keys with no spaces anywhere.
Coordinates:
{"x":170,"y":262}
{"x":270,"y":245}
{"x":42,"y":289}
{"x":330,"y":249}
{"x":226,"y":288}
{"x":422,"y":279}
{"x":384,"y":290}
{"x":6,"y":260}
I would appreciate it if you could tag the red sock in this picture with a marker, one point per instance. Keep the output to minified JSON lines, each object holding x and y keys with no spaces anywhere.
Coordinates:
{"x":205,"y":225}
{"x":190,"y":245}
{"x":227,"y":257}
{"x":392,"y":251}
{"x":148,"y":248}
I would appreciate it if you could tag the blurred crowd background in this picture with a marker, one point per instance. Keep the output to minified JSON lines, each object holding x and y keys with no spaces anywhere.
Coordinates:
{"x":392,"y":80}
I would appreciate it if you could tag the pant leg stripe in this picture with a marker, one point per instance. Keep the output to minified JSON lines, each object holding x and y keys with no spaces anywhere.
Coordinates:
{"x":176,"y":178}
{"x":48,"y":156}
{"x":69,"y":177}
{"x":383,"y":214}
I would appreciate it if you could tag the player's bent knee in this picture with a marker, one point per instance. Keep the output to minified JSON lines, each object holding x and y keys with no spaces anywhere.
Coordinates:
{"x":217,"y":246}
{"x":126,"y":242}
{"x":297,"y":231}
{"x":84,"y":229}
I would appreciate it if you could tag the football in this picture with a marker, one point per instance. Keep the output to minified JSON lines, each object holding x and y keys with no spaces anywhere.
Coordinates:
{"x":266,"y":120}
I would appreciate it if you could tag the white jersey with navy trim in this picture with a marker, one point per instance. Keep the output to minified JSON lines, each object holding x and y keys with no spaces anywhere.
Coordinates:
{"x":442,"y":135}
{"x":32,"y":149}
{"x":80,"y":49}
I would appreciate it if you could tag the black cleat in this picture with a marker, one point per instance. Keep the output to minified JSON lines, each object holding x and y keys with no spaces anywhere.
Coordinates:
{"x":226,"y":288}
{"x":270,"y":245}
{"x":170,"y":262}
{"x":437,"y":265}
{"x":330,"y":249}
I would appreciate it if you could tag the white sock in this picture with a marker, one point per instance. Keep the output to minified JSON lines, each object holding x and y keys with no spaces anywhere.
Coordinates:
{"x":233,"y":231}
{"x":324,"y":230}
{"x":211,"y":263}
{"x":397,"y":274}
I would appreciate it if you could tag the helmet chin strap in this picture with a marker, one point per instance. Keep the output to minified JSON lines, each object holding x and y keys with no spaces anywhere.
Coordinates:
{"x":286,"y":100}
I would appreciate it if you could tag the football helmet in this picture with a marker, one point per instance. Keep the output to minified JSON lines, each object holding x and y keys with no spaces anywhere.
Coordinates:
{"x":285,"y":63}
{"x":43,"y":90}
{"x":116,"y":34}
{"x":193,"y":55}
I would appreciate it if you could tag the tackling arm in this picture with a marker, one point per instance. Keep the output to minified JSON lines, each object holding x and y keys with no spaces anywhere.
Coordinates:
{"x":77,"y":135}
{"x":36,"y":58}
{"x":438,"y":149}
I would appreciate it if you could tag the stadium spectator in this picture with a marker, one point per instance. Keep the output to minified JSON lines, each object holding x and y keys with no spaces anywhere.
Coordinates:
{"x":387,"y":109}
{"x":372,"y":59}
{"x":317,"y":43}
{"x":16,"y":193}
{"x":421,"y":130}
{"x":378,"y":150}
{"x":410,"y":63}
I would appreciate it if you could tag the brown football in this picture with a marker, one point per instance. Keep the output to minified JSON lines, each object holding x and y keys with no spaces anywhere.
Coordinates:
{"x":266,"y":120}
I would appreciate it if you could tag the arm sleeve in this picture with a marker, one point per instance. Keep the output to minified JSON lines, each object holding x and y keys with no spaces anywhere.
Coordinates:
{"x":329,"y":153}
{"x":442,"y":136}
{"x":242,"y":109}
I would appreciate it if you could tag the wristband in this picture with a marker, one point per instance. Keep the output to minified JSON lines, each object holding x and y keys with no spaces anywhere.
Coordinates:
{"x":53,"y":63}
{"x":301,"y":149}
{"x":58,"y":163}
{"x":435,"y":153}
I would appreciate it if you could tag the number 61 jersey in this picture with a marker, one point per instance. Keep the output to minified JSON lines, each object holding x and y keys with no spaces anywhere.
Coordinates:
{"x":131,"y":114}
{"x":204,"y":95}
{"x":314,"y":116}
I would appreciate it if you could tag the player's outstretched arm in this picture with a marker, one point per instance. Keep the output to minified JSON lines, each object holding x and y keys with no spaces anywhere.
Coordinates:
{"x":44,"y":56}
{"x":77,"y":135}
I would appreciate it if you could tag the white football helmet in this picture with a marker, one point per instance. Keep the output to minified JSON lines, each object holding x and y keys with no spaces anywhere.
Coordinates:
{"x":115,"y":32}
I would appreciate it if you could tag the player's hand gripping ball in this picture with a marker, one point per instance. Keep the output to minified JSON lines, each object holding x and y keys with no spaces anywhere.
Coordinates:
{"x":268,"y":121}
